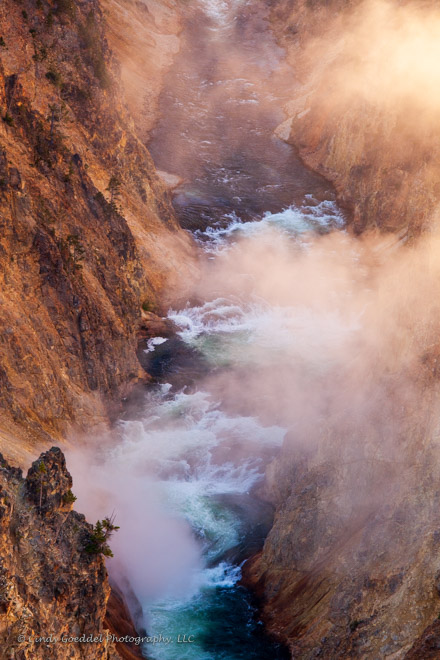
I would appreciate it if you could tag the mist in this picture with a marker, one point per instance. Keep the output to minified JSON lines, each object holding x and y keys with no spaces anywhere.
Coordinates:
{"x":341,"y":353}
{"x":155,"y":553}
{"x":329,"y":340}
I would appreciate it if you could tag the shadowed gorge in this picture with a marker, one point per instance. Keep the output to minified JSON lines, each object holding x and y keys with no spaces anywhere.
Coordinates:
{"x":220,"y":270}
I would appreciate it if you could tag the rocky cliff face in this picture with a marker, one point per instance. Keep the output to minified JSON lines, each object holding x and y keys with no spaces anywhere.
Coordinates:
{"x":363,"y":109}
{"x":87,"y":234}
{"x":51,"y":589}
{"x":351,"y":566}
{"x":145,"y":38}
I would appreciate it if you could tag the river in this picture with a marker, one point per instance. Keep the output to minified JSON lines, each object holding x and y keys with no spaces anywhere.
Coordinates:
{"x":221,"y":105}
{"x":203,"y":448}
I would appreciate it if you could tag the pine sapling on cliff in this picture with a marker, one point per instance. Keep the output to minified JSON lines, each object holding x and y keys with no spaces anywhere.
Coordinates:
{"x":98,"y":540}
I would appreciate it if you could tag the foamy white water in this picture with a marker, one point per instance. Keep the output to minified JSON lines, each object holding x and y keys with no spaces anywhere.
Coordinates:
{"x":293,"y":222}
{"x":182,"y":476}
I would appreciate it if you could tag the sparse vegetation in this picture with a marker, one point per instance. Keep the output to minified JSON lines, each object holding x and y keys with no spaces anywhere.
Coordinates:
{"x":69,"y":497}
{"x":98,"y":540}
{"x":56,"y":115}
{"x":66,"y":7}
{"x":355,"y":624}
{"x":146,"y":306}
{"x":40,"y":56}
{"x":54,"y":77}
{"x":41,"y":471}
{"x":2,"y":43}
{"x":72,"y":252}
{"x":114,"y":188}
{"x":68,"y":174}
{"x":8,"y":119}
{"x":91,"y":38}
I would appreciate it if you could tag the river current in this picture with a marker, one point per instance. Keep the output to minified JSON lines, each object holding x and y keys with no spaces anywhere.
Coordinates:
{"x":202,"y":452}
{"x":221,"y":105}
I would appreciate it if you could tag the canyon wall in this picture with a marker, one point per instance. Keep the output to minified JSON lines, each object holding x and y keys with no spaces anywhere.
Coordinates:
{"x":144,"y":35}
{"x":88,"y":236}
{"x":364,"y":103}
{"x":90,"y":251}
{"x":351,"y":566}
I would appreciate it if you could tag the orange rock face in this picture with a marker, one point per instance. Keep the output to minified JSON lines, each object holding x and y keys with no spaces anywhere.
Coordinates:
{"x":87,"y":232}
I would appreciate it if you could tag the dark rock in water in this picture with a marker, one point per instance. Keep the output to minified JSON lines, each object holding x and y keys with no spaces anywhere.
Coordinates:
{"x":257,"y":518}
{"x":172,"y":361}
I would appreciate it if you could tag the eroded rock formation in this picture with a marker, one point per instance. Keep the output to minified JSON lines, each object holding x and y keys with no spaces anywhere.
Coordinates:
{"x":50,"y":587}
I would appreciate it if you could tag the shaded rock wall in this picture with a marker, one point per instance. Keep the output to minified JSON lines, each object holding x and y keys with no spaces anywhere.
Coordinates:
{"x":350,"y":568}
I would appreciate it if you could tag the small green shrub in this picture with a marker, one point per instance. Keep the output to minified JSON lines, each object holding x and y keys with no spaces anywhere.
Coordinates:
{"x":72,"y":252}
{"x":100,"y":71}
{"x":2,"y":43}
{"x":98,"y":539}
{"x":54,"y":77}
{"x":69,"y":497}
{"x":8,"y":119}
{"x":91,"y":37}
{"x":355,"y":624}
{"x":66,"y":7}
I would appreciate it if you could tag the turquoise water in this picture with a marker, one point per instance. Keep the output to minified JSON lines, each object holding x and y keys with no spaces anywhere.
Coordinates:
{"x":205,"y":445}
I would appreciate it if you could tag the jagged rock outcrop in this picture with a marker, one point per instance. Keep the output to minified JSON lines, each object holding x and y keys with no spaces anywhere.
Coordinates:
{"x":87,"y":232}
{"x":50,"y":587}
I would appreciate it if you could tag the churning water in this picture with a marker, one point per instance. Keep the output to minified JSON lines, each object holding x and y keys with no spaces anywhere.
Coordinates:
{"x":207,"y":459}
{"x":203,"y":457}
{"x":237,"y":180}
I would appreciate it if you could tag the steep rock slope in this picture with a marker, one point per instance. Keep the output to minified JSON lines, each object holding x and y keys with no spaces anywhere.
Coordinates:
{"x":50,"y":587}
{"x":144,"y":35}
{"x":364,"y":105}
{"x":88,"y":237}
{"x":351,"y":567}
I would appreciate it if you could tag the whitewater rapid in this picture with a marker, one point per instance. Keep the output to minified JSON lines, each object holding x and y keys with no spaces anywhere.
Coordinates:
{"x":183,"y":472}
{"x":207,"y":461}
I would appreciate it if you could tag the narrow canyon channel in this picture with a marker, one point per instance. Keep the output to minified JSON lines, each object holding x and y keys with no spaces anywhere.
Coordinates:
{"x":200,"y":445}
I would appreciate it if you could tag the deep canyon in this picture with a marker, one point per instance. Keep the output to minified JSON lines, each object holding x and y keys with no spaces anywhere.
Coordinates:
{"x":220,"y":270}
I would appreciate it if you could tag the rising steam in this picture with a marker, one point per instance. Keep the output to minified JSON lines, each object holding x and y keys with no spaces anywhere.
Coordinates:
{"x":342,"y":334}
